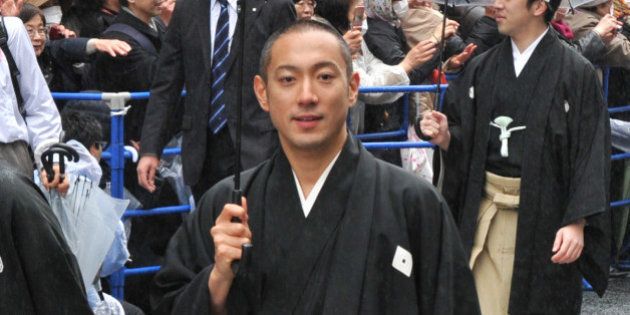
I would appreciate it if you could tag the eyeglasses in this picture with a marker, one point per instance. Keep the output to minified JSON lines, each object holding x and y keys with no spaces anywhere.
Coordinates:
{"x":32,"y":32}
{"x":303,"y":3}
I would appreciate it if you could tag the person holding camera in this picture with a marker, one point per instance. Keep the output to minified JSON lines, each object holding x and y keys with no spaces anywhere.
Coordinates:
{"x":595,"y":16}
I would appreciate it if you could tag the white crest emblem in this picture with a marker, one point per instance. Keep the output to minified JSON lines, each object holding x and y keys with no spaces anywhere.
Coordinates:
{"x":566,"y":106}
{"x":1,"y":265}
{"x":502,"y":122}
{"x":471,"y":92}
{"x":403,"y":261}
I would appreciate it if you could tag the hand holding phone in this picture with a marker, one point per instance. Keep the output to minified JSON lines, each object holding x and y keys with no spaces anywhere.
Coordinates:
{"x":359,"y":11}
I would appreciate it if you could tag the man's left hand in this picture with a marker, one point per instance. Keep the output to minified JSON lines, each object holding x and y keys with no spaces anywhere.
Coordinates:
{"x":569,"y":243}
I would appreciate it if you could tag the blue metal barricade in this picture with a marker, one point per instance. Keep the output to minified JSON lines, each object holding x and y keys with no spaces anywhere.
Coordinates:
{"x":116,"y":155}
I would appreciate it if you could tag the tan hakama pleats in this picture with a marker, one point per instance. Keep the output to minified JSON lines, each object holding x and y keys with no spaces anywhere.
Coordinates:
{"x":492,"y":257}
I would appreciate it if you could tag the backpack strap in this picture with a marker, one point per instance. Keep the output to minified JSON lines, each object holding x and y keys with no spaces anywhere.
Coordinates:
{"x":4,"y":45}
{"x":133,"y":33}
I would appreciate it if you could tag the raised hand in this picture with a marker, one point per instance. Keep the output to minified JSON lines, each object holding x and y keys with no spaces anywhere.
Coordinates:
{"x":418,"y":55}
{"x":112,"y":47}
{"x":450,"y":30}
{"x":353,"y":38}
{"x":459,"y":60}
{"x":607,"y":28}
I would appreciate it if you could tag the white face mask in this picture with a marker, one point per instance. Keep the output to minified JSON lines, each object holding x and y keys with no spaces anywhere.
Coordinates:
{"x":400,"y":8}
{"x":364,"y":27}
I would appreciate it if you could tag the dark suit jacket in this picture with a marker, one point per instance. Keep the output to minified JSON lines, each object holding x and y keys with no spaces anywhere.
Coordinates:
{"x":57,"y":63}
{"x":185,"y":62}
{"x":133,"y":72}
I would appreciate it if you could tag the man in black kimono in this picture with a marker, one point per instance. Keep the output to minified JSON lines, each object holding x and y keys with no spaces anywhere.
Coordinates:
{"x":333,"y":229}
{"x":526,"y":149}
{"x":38,"y":272}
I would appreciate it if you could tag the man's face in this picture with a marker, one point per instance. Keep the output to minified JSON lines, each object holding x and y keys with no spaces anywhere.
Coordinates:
{"x":513,"y":16}
{"x":147,"y":7}
{"x":307,"y":92}
{"x":305,"y":9}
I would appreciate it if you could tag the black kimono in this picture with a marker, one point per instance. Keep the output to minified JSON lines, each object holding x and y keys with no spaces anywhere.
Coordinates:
{"x":564,"y":158}
{"x":38,"y":273}
{"x":338,"y":260}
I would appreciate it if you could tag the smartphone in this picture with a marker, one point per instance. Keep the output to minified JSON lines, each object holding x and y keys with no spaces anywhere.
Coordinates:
{"x":359,"y":10}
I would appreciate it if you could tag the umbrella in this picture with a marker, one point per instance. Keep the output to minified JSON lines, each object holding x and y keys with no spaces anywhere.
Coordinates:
{"x":572,"y":4}
{"x":464,"y":3}
{"x":88,"y":217}
{"x":453,"y":3}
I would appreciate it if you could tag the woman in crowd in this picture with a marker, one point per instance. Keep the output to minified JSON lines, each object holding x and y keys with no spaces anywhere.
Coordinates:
{"x":340,"y":15}
{"x":57,"y":58}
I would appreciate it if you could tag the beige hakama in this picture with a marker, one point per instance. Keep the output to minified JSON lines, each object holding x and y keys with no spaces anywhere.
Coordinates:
{"x":492,"y":257}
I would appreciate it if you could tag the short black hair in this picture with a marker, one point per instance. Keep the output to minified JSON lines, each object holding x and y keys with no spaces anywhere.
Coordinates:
{"x":336,"y":13}
{"x":303,"y":26}
{"x":552,"y":7}
{"x":29,"y":11}
{"x":81,"y":127}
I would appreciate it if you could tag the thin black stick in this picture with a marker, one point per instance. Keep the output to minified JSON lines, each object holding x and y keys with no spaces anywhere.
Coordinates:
{"x":242,"y":265}
{"x":436,"y":106}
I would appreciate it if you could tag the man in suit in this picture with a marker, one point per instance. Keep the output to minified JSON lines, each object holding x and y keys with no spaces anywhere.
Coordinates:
{"x":189,"y":59}
{"x":135,"y":25}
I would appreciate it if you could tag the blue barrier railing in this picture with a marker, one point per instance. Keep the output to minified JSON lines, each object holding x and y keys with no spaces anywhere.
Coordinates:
{"x":402,"y":131}
{"x":116,"y":155}
{"x":619,"y":109}
{"x":157,"y":211}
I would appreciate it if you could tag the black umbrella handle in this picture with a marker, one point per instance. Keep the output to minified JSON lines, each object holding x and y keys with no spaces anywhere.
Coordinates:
{"x":63,"y":151}
{"x":246,"y":256}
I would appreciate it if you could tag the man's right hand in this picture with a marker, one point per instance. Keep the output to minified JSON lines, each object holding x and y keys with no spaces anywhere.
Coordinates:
{"x":146,"y":172}
{"x":435,"y":125}
{"x":228,"y":238}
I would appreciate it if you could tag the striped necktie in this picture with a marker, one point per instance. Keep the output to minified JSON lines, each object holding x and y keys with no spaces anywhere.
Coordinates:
{"x":218,"y":115}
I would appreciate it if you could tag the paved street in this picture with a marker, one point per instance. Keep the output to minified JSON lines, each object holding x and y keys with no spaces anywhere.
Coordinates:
{"x":616,"y":301}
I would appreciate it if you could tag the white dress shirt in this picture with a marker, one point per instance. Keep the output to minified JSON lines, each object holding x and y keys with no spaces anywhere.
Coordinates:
{"x":215,"y":11}
{"x":520,"y":59}
{"x":43,"y":125}
{"x":308,"y":202}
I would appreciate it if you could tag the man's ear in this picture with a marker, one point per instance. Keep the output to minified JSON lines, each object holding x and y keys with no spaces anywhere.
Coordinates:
{"x":353,"y":91}
{"x":540,"y":7}
{"x":260,"y":89}
{"x":93,"y":150}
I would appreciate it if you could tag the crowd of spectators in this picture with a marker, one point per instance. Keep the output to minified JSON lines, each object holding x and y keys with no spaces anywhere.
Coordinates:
{"x":115,"y":45}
